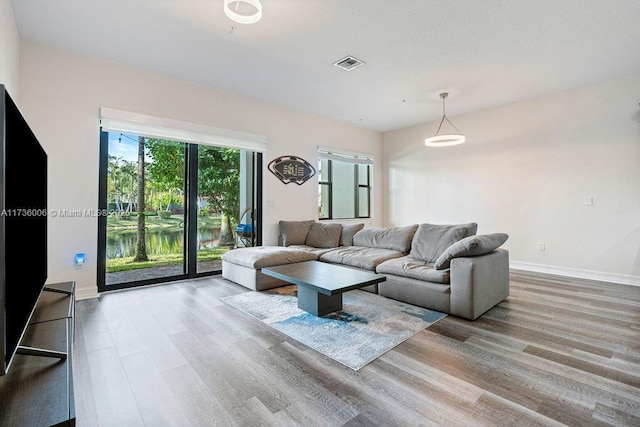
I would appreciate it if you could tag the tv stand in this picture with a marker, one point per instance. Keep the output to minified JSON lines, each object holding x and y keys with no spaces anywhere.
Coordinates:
{"x":58,"y":290}
{"x":32,"y":351}
{"x":38,"y":387}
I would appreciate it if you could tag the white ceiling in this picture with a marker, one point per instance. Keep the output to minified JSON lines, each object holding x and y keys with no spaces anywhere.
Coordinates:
{"x":483,"y":52}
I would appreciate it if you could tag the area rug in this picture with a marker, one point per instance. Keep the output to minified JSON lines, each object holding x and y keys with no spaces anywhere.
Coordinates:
{"x":368,"y":325}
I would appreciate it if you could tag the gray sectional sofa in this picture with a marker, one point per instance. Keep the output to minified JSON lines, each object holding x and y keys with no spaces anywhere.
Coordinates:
{"x":447,"y":268}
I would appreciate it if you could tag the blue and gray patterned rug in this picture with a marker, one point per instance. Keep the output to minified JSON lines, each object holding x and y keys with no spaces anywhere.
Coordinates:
{"x":367,"y":326}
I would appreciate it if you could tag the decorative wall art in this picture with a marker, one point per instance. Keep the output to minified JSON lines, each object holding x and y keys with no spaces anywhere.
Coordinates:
{"x":292,"y":169}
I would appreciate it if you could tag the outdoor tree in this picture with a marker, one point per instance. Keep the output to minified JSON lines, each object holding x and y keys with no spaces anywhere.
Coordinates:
{"x":128,"y":172}
{"x":141,"y":246}
{"x":122,"y":181}
{"x":114,"y":172}
{"x":167,"y":166}
{"x":218,"y":178}
{"x":219,"y":183}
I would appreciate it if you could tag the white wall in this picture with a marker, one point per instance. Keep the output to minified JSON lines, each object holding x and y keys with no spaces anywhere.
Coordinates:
{"x":61,"y":93}
{"x":9,"y":49}
{"x":525,"y":170}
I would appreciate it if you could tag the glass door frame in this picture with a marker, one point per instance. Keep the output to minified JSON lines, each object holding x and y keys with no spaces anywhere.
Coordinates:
{"x":191,"y":217}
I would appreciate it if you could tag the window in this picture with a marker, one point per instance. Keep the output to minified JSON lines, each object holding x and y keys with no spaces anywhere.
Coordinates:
{"x":344,"y":188}
{"x":178,"y":196}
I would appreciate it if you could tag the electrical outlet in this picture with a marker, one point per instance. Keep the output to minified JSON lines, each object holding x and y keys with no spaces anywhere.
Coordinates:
{"x":541,"y":246}
{"x":588,"y":201}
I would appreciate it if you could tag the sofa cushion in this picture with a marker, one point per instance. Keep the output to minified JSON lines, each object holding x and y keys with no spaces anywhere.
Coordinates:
{"x":348,"y":231}
{"x":413,"y":269}
{"x":295,"y":232}
{"x":392,"y":238}
{"x":313,"y":250}
{"x":431,"y":240}
{"x":324,"y":235}
{"x":359,"y":256}
{"x":266,"y":256}
{"x":471,"y":246}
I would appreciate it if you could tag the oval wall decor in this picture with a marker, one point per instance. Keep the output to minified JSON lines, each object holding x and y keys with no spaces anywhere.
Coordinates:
{"x":292,"y":169}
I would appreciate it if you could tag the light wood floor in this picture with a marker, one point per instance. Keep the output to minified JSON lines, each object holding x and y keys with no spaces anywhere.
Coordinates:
{"x":557,"y":351}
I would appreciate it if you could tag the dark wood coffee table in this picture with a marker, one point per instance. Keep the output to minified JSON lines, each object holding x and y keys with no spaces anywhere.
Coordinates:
{"x":321,"y":285}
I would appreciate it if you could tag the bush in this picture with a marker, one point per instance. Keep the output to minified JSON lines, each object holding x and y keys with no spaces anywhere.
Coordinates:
{"x":164,"y":214}
{"x":206,"y":211}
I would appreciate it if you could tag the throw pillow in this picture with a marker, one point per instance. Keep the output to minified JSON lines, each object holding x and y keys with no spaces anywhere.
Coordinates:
{"x":295,"y":232}
{"x":470,"y":229}
{"x":324,"y":235}
{"x":431,"y":240}
{"x":393,"y":238}
{"x":348,"y":231}
{"x":470,"y":246}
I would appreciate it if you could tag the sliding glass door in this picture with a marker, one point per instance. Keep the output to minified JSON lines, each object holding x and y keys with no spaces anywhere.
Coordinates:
{"x":174,"y":208}
{"x":226,"y":196}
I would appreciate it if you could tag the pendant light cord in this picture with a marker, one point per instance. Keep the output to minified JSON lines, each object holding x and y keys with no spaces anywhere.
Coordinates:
{"x":444,"y":116}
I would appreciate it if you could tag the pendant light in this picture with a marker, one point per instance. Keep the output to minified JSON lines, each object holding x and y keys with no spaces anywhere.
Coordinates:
{"x":445,"y":139}
{"x":241,"y":17}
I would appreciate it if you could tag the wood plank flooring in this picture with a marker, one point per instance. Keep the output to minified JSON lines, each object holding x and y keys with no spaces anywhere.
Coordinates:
{"x":558,"y":351}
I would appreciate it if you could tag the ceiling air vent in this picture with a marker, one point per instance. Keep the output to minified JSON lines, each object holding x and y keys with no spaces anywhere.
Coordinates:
{"x":349,"y":63}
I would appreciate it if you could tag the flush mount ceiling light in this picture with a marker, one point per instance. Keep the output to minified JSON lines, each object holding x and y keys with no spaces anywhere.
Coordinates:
{"x":243,"y":11}
{"x":445,"y":139}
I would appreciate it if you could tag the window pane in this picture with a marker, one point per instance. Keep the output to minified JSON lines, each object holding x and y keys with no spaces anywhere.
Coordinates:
{"x":323,"y":170}
{"x":246,"y":231}
{"x":218,"y":204}
{"x":145,"y":228}
{"x":344,"y":174}
{"x":363,"y":175}
{"x":323,"y":200}
{"x":344,"y":188}
{"x":363,"y":202}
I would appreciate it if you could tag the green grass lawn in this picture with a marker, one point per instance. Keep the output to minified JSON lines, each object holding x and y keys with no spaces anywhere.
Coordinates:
{"x":126,"y":225}
{"x":126,"y":264}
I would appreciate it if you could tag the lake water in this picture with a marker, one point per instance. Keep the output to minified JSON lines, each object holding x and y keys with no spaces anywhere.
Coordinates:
{"x":123,"y":243}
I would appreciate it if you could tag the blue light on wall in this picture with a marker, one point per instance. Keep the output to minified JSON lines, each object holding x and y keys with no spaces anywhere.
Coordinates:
{"x":79,"y":260}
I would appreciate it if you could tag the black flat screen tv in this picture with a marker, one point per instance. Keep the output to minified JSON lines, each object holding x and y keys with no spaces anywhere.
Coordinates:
{"x":23,"y":225}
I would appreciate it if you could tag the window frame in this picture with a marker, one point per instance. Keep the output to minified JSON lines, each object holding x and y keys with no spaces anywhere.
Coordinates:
{"x":327,"y":182}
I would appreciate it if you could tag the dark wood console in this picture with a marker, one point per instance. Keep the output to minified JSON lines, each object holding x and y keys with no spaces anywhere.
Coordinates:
{"x":37,"y":390}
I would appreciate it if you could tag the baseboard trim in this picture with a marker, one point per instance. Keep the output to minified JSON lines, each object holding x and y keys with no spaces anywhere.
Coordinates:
{"x":86,"y":294}
{"x":576,"y":272}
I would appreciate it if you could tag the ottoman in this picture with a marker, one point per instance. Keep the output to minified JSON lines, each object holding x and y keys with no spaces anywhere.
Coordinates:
{"x":243,"y":265}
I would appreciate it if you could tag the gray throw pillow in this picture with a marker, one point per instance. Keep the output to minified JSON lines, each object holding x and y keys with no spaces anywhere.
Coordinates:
{"x":295,"y":232}
{"x":431,"y":240}
{"x":470,"y":246}
{"x":324,"y":235}
{"x":348,"y":231}
{"x":393,"y":238}
{"x":470,"y":229}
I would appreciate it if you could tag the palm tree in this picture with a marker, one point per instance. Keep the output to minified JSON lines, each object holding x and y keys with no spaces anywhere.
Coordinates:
{"x":115,"y":173}
{"x":141,"y":246}
{"x":129,"y":172}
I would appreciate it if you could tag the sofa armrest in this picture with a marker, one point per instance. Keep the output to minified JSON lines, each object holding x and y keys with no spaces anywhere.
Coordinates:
{"x":479,"y":283}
